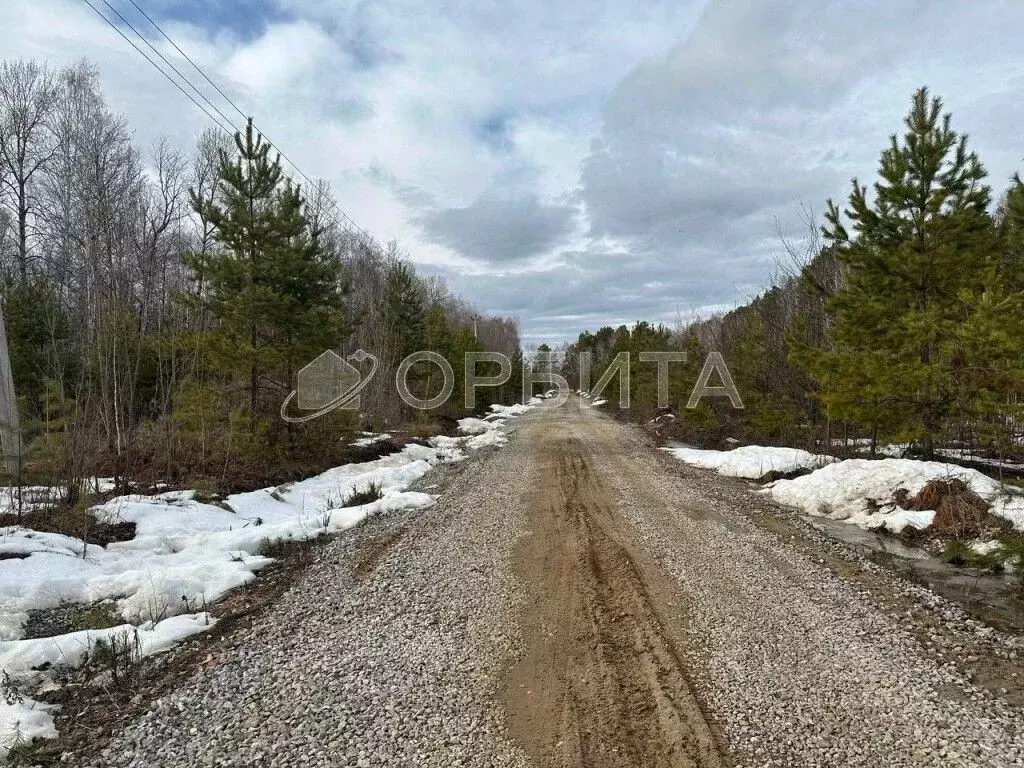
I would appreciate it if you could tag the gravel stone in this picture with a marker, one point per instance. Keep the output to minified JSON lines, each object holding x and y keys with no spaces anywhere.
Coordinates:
{"x":391,"y":662}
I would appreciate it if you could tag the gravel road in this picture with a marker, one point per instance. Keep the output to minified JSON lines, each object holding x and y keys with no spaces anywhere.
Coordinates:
{"x":575,"y":599}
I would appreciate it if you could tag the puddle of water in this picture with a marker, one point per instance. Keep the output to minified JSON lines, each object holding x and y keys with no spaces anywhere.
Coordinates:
{"x":876,"y":542}
{"x":997,"y":599}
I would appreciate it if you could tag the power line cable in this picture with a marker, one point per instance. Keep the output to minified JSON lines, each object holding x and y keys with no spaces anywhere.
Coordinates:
{"x":371,"y":240}
{"x":170,"y":64}
{"x":156,"y":66}
{"x":349,"y":222}
{"x":187,"y":58}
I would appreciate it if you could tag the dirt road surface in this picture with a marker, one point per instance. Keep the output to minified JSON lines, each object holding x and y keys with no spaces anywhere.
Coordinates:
{"x":578,"y":598}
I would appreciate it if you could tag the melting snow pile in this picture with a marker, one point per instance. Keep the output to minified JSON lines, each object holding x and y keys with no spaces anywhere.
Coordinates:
{"x":186,"y":554}
{"x":368,"y":439}
{"x":862,"y":492}
{"x":23,"y":719}
{"x":752,"y":461}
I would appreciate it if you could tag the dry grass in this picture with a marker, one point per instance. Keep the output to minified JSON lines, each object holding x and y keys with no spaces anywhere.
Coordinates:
{"x":959,"y":511}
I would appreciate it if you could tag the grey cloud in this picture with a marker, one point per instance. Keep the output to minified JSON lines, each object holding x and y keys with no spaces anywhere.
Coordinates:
{"x":587,"y":289}
{"x":499,"y":230}
{"x":767,"y":107}
{"x":745,"y":111}
{"x":707,"y":151}
{"x":728,"y":124}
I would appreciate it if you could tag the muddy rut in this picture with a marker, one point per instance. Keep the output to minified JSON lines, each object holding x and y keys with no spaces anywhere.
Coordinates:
{"x":600,"y":682}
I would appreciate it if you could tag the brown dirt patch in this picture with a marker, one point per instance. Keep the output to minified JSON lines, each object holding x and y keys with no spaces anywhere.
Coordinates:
{"x":600,"y":682}
{"x":72,"y":521}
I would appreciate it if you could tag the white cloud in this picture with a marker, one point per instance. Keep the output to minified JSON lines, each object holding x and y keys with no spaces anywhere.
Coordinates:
{"x":675,"y":133}
{"x":281,"y":60}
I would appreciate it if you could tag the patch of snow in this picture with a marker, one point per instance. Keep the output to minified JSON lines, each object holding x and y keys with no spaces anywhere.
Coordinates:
{"x":187,"y":553}
{"x":22,"y":660}
{"x":502,"y":411}
{"x":985,"y":547}
{"x":473,"y":426}
{"x":751,"y":461}
{"x":894,"y":450}
{"x":187,"y":548}
{"x":34,"y":497}
{"x":965,"y":455}
{"x":23,"y":721}
{"x":861,"y":492}
{"x":368,"y":439}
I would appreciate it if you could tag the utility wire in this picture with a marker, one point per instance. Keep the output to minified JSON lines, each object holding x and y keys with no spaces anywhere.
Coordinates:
{"x":312,"y":184}
{"x":156,"y":66}
{"x":188,"y":58}
{"x":165,"y":60}
{"x":351,"y":224}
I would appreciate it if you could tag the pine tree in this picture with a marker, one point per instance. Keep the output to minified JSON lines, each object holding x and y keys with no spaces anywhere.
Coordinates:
{"x":924,"y":238}
{"x":1012,"y":268}
{"x":272,"y":289}
{"x":988,"y":356}
{"x":404,"y":302}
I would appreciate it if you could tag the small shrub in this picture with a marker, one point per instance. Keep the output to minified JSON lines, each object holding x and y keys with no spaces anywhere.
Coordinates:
{"x":956,"y":552}
{"x":959,"y":511}
{"x":279,"y":548}
{"x":119,"y":654}
{"x":959,"y":553}
{"x":99,"y":616}
{"x":22,"y":751}
{"x":360,"y":496}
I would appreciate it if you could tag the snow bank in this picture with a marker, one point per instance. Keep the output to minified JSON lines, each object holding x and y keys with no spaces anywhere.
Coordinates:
{"x":508,"y":411}
{"x":487,"y":432}
{"x":473,"y":426}
{"x":35,"y":497}
{"x":187,"y":553}
{"x":25,"y":661}
{"x":965,"y":455}
{"x":861,"y":492}
{"x":751,"y":461}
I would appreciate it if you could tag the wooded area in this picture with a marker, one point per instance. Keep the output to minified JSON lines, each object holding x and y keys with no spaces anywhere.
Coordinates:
{"x":902,"y":321}
{"x":159,"y":301}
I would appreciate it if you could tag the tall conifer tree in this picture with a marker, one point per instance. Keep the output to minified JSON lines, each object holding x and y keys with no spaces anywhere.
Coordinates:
{"x":272,"y":289}
{"x":911,"y":250}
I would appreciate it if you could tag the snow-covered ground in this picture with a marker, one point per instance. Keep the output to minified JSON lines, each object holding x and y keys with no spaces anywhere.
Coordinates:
{"x":41,"y":496}
{"x":965,"y":455}
{"x":862,"y":491}
{"x":186,"y":554}
{"x":369,"y":438}
{"x":858,"y":491}
{"x":751,"y":461}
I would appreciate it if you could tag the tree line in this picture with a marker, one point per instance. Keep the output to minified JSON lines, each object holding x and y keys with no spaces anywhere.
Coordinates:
{"x":902,"y":321}
{"x":159,"y":302}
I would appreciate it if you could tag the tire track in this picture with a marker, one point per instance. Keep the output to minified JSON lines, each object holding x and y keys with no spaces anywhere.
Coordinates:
{"x":599,"y":682}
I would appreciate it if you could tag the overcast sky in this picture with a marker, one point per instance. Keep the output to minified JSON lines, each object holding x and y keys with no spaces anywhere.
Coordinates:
{"x":574,"y":163}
